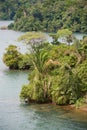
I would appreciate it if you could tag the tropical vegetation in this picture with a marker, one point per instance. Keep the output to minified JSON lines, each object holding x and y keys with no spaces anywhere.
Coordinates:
{"x":45,"y":15}
{"x":15,"y":60}
{"x":58,"y":72}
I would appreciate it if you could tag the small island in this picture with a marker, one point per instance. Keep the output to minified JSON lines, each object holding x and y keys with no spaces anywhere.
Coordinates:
{"x":43,"y":64}
{"x":58,"y":70}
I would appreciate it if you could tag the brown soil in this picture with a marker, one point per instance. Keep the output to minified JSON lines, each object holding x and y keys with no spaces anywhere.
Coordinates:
{"x":83,"y":108}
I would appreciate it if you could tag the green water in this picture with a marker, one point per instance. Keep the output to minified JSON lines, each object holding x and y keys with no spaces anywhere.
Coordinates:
{"x":15,"y":115}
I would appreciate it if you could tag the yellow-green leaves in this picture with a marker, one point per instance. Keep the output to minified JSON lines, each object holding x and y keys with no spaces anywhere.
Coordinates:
{"x":33,"y":37}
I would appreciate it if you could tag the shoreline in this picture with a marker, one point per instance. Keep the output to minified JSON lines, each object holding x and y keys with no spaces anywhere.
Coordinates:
{"x":82,"y":108}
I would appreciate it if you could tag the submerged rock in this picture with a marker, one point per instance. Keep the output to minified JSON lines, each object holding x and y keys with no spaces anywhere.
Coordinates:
{"x":4,"y":28}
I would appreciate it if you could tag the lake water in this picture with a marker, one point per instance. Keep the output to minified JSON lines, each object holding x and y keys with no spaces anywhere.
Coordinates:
{"x":15,"y":115}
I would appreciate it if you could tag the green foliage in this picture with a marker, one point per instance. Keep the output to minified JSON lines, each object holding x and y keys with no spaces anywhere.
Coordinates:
{"x":8,"y":9}
{"x":56,"y":77}
{"x":10,"y":26}
{"x":24,"y":62}
{"x":49,"y":16}
{"x":11,"y":57}
{"x":15,"y":60}
{"x":79,"y":102}
{"x":58,"y":72}
{"x":55,"y":39}
{"x":38,"y":79}
{"x":65,"y":35}
{"x":66,"y":87}
{"x":82,"y":72}
{"x":45,"y":15}
{"x":33,"y":38}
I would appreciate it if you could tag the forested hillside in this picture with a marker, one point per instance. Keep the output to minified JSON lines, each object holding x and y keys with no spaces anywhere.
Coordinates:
{"x":46,"y":15}
{"x":8,"y":9}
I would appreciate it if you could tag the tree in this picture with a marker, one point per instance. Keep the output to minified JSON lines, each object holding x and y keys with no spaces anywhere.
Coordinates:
{"x":33,"y":38}
{"x":45,"y":15}
{"x":12,"y":57}
{"x":65,"y":35}
{"x":55,"y":39}
{"x":15,"y":60}
{"x":39,"y":79}
{"x":82,"y":72}
{"x":67,"y":86}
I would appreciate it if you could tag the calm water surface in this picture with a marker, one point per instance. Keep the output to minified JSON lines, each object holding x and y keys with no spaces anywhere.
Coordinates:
{"x":17,"y":116}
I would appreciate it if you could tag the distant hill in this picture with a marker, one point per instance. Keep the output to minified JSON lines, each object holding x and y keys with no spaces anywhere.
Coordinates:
{"x":8,"y":9}
{"x":45,"y":15}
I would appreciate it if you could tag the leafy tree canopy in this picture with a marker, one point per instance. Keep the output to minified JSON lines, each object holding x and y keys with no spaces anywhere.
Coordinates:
{"x":45,"y":15}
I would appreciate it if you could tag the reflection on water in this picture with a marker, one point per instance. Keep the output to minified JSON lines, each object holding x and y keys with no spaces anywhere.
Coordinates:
{"x":40,"y":117}
{"x":18,"y":116}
